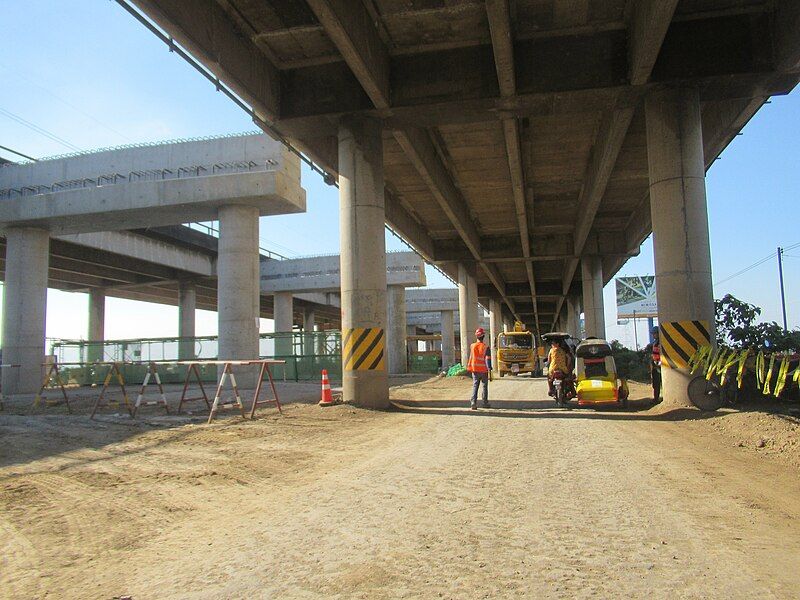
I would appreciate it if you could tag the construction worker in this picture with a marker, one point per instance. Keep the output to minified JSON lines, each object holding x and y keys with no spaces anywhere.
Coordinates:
{"x":480,"y":365}
{"x":653,"y":352}
{"x":557,"y":360}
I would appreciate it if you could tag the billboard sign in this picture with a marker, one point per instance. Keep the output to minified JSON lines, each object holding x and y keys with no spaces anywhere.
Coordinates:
{"x":636,"y":297}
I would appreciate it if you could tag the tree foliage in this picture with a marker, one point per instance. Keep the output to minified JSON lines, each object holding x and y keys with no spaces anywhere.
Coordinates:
{"x":737,"y":328}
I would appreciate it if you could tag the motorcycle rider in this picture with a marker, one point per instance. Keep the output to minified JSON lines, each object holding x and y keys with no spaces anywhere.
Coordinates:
{"x":557,"y":360}
{"x":480,"y":365}
{"x":653,"y":350}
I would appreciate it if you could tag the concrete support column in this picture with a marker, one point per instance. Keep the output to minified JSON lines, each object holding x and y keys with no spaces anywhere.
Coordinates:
{"x":363,"y":263}
{"x":308,"y":331}
{"x":573,"y":316}
{"x":97,"y":324}
{"x":495,"y":317}
{"x":283,"y":315}
{"x":187,"y":305}
{"x":448,"y":339}
{"x":593,"y":309}
{"x":467,"y":310}
{"x":25,"y":308}
{"x":396,"y":328}
{"x":238,"y":287}
{"x":679,"y":216}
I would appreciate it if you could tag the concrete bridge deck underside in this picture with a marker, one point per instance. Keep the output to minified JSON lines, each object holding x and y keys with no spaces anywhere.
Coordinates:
{"x":514,"y":137}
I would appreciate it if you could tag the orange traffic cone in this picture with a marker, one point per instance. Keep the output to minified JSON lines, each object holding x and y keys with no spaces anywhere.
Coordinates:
{"x":327,"y":395}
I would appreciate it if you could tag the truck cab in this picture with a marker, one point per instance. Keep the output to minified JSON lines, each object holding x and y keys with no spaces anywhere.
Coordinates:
{"x":516,"y":351}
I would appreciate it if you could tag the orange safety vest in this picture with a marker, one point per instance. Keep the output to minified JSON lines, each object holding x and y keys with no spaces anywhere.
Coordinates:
{"x":656,"y":356}
{"x":477,"y":358}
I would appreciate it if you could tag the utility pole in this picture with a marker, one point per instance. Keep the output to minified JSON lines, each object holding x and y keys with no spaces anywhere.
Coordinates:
{"x":783,"y":293}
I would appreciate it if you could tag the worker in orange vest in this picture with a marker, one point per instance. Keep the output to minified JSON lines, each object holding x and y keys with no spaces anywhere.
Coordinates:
{"x":480,"y":365}
{"x":654,"y":350}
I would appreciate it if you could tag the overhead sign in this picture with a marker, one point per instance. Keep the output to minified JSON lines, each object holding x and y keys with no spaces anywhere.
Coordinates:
{"x":636,"y":297}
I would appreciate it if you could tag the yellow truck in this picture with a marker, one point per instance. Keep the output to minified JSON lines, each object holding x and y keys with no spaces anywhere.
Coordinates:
{"x":516,"y":351}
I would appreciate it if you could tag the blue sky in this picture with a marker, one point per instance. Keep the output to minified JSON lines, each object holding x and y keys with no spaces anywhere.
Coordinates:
{"x":98,"y":78}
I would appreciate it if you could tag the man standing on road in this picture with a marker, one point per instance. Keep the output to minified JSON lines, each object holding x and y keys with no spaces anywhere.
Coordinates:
{"x":653,"y":352}
{"x":480,"y":365}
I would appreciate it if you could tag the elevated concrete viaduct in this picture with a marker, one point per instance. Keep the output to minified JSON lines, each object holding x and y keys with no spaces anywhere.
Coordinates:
{"x":233,"y":179}
{"x":529,"y":143}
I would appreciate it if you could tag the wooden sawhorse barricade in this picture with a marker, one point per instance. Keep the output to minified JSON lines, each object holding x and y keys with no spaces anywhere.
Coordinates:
{"x":52,"y":375}
{"x":227,"y":373}
{"x":191,"y":369}
{"x":113,"y":370}
{"x":150,"y":376}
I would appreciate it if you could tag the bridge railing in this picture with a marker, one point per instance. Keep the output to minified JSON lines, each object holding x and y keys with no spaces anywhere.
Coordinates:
{"x":106,"y":179}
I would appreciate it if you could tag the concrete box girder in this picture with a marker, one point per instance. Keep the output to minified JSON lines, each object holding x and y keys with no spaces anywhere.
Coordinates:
{"x":141,"y":204}
{"x":323,"y":273}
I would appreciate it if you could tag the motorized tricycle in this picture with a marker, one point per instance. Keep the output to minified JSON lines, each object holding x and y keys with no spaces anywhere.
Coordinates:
{"x":598,"y":382}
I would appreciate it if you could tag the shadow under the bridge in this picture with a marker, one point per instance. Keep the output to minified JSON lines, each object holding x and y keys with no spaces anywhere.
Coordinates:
{"x":637,"y":410}
{"x":52,"y":432}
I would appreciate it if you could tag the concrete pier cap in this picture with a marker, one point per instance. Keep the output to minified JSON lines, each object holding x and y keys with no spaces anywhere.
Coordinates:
{"x":160,"y":184}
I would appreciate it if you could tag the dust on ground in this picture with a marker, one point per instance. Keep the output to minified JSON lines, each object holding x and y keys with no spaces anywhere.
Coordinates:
{"x":429,"y":500}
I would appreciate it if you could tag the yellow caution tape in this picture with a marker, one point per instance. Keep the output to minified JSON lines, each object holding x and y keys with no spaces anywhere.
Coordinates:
{"x":767,"y":381}
{"x":782,"y":373}
{"x":698,"y":357}
{"x":740,"y":374}
{"x":760,"y":368}
{"x":714,"y":367}
{"x":732,"y":359}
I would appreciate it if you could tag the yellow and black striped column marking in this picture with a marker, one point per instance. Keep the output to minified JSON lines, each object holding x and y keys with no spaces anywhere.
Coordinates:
{"x":680,"y":340}
{"x":363,"y":349}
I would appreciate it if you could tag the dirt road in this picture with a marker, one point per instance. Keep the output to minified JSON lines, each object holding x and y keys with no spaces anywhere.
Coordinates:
{"x":432,"y":500}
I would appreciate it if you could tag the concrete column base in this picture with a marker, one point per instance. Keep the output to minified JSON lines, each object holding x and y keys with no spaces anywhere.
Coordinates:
{"x":593,"y":306}
{"x":238,"y":289}
{"x":448,"y":339}
{"x":467,"y":310}
{"x":363,"y":263}
{"x":97,"y":322}
{"x":396,"y":329}
{"x":495,"y":316}
{"x":680,"y":220}
{"x":187,"y":305}
{"x":25,"y":309}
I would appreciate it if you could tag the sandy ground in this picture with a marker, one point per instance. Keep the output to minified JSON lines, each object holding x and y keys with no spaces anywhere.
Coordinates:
{"x":430,"y":500}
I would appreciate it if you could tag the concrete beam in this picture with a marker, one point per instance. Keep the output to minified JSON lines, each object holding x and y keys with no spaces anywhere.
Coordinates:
{"x":402,"y":222}
{"x":431,"y":300}
{"x":419,"y":149}
{"x":209,"y":33}
{"x":323,"y":273}
{"x":143,"y":248}
{"x":649,"y":23}
{"x":503,"y":47}
{"x":352,"y":30}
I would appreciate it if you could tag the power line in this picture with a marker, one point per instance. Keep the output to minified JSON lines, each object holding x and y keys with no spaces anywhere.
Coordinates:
{"x":755,"y":264}
{"x":68,"y":103}
{"x":17,"y":153}
{"x":39,"y":130}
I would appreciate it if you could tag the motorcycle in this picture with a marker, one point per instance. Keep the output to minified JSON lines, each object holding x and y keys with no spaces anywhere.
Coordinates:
{"x":561,"y":385}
